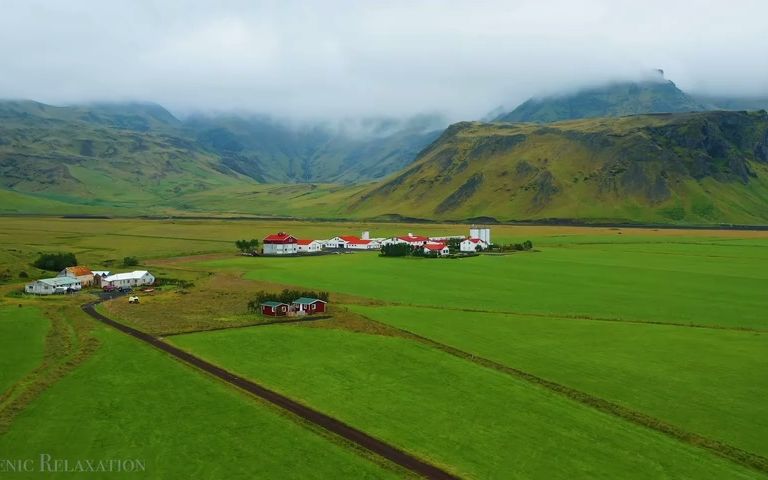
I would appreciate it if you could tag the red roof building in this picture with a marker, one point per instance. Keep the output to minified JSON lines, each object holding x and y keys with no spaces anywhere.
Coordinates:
{"x":439,"y":248}
{"x":280,"y":243}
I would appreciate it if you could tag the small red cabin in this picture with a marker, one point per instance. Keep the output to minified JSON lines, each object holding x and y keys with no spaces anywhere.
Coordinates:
{"x":308,"y":306}
{"x":274,"y":309}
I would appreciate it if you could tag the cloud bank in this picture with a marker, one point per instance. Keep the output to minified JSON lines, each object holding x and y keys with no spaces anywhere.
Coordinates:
{"x":335,"y":59}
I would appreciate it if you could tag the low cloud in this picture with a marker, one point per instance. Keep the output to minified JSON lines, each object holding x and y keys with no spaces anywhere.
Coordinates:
{"x":339,"y":59}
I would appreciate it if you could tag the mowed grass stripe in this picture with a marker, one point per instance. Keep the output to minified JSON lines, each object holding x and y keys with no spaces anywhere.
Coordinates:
{"x":22,"y":343}
{"x":480,"y":421}
{"x":675,"y":397}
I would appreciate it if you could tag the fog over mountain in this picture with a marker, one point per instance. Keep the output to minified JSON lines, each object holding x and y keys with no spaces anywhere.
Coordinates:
{"x":342,"y":59}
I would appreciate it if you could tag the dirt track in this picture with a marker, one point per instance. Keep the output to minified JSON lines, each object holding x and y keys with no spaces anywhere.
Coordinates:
{"x":320,"y":419}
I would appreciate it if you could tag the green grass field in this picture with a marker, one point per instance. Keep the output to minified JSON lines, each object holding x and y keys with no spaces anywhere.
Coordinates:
{"x":703,"y":380}
{"x":480,"y":423}
{"x":22,"y":340}
{"x":129,"y":401}
{"x":604,"y":310}
{"x":696,"y":282}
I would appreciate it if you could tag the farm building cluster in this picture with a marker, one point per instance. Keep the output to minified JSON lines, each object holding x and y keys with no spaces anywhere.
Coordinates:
{"x":74,"y":279}
{"x":283,"y":243}
{"x":300,"y":306}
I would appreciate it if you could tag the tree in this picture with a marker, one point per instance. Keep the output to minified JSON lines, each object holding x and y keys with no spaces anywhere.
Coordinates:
{"x":454,"y":244}
{"x":130,"y":261}
{"x":527,"y":245}
{"x":55,"y":262}
{"x":398,"y":250}
{"x":247,"y":246}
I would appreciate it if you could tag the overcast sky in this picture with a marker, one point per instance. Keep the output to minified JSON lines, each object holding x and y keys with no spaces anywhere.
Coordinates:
{"x":336,"y":58}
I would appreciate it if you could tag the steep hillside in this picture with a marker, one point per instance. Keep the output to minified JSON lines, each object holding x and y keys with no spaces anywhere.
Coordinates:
{"x":102,"y":156}
{"x":81,"y":150}
{"x":344,"y":152}
{"x":708,"y":167}
{"x":616,"y":99}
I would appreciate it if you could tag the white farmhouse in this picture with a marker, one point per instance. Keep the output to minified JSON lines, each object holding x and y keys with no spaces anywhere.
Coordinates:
{"x":472,"y":245}
{"x":440,"y":249}
{"x":309,"y":246}
{"x":130,"y":279}
{"x":49,"y":286}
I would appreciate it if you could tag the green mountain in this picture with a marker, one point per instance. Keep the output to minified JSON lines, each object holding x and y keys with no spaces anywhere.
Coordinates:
{"x":707,"y":167}
{"x":612,"y":100}
{"x":731,"y":102}
{"x":343,"y":152}
{"x":102,"y":155}
{"x":132,"y":155}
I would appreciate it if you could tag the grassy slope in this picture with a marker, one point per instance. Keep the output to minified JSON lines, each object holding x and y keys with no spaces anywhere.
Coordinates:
{"x":600,"y":169}
{"x":130,"y":401}
{"x":479,"y":422}
{"x":661,"y":369}
{"x":22,"y":340}
{"x":711,"y":284}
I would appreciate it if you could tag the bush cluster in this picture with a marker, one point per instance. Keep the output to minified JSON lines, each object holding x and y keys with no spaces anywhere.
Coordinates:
{"x":55,"y":262}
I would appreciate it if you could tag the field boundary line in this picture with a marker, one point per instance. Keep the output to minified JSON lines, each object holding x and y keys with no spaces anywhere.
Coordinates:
{"x":326,"y":422}
{"x":251,"y":325}
{"x":572,"y":317}
{"x":735,"y":454}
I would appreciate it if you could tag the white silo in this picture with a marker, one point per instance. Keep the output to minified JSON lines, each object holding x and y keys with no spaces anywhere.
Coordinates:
{"x":483,"y":233}
{"x":366,"y":235}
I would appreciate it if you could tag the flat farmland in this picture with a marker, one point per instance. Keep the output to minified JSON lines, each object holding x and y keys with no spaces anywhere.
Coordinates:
{"x":704,"y":380}
{"x":666,"y":323}
{"x":129,"y":401}
{"x":694,"y":282}
{"x":22,"y":341}
{"x":474,"y":421}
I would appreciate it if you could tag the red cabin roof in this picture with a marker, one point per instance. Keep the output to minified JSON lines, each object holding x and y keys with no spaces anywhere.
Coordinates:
{"x":436,"y":247}
{"x":280,"y":237}
{"x":304,"y":242}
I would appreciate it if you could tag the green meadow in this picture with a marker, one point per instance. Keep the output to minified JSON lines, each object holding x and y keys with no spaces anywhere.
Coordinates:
{"x":476,"y":422}
{"x":700,"y":282}
{"x":668,"y":323}
{"x":22,"y":341}
{"x":704,"y":380}
{"x":129,"y":401}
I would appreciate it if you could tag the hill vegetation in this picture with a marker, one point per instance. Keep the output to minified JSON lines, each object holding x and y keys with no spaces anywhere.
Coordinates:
{"x":655,"y":95}
{"x":707,"y":167}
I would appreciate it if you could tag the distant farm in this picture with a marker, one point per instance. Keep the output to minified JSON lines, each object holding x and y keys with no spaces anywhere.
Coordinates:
{"x":541,"y":352}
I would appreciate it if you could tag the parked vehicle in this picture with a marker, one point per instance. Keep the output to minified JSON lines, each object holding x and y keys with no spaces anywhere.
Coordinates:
{"x":125,"y":289}
{"x":109,"y":288}
{"x":133,"y":299}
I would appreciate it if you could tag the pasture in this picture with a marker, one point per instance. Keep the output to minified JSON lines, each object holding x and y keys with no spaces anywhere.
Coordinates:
{"x":704,"y":380}
{"x":669,"y":323}
{"x":22,"y":341}
{"x":477,"y":422}
{"x":690,"y":281}
{"x":129,"y":401}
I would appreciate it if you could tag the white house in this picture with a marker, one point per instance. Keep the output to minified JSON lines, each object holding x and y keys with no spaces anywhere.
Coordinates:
{"x":130,"y":279}
{"x":49,"y":286}
{"x":439,"y":248}
{"x":335,"y":242}
{"x":309,"y":246}
{"x":472,"y":244}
